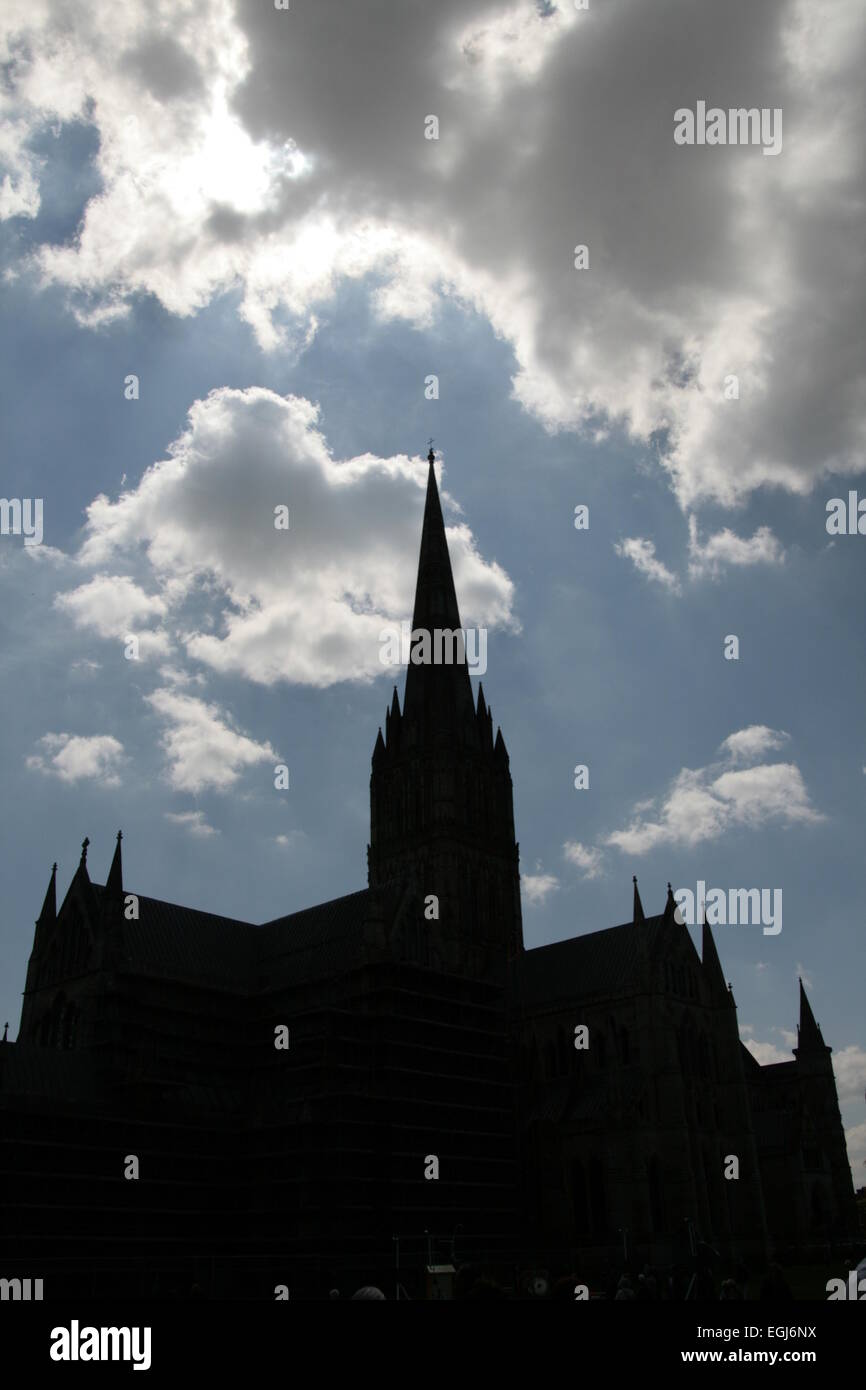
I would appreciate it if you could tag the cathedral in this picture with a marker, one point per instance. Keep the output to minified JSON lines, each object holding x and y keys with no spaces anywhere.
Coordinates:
{"x":391,"y":1084}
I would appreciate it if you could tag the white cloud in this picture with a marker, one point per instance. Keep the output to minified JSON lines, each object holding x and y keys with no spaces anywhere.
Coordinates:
{"x":586,"y":858}
{"x":708,"y":556}
{"x":193,"y":821}
{"x":849,"y":1066}
{"x":855,"y":1138}
{"x":801,"y":973}
{"x":76,"y":758}
{"x":537,"y":887}
{"x":767,"y":1053}
{"x":703,"y":803}
{"x":642,"y":554}
{"x":291,"y":840}
{"x":115,"y":607}
{"x":201,"y":748}
{"x":212,"y":177}
{"x":752,"y":742}
{"x":307,"y":604}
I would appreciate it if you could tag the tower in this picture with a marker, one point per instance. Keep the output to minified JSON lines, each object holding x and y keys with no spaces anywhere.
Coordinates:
{"x":441,"y":811}
{"x":829,"y":1195}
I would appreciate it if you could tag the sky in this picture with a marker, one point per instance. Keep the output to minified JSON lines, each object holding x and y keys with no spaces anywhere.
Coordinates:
{"x":255,"y":258}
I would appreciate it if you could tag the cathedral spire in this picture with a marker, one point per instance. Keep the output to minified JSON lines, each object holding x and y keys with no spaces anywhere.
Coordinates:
{"x":670,"y":905}
{"x":637,"y":911}
{"x":441,"y":805}
{"x":49,"y":906}
{"x":438,"y":698}
{"x":710,"y":963}
{"x":114,"y":882}
{"x":809,"y":1039}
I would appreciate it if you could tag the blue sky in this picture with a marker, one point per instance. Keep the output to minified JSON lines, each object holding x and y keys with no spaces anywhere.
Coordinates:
{"x":281,"y":305}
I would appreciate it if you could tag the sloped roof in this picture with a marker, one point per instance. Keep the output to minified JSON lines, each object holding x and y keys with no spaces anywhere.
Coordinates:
{"x":185,"y":944}
{"x":597,"y":963}
{"x":321,"y":940}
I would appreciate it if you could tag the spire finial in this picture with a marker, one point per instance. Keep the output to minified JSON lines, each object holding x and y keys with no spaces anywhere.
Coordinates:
{"x":670,"y":904}
{"x":54,"y":867}
{"x":84,"y":843}
{"x":431,"y":457}
{"x":119,"y":836}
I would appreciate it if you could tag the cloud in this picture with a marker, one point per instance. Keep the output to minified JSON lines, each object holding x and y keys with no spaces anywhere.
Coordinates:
{"x":306,"y":604}
{"x":855,"y":1138}
{"x":767,"y":1053}
{"x":291,"y":840}
{"x":242,"y":149}
{"x":77,"y":758}
{"x":202,"y":749}
{"x":707,"y":557}
{"x":642,"y":553}
{"x":584,"y":857}
{"x":193,"y":821}
{"x":537,"y":887}
{"x":752,"y":742}
{"x":115,"y":607}
{"x":849,"y":1067}
{"x":801,"y":973}
{"x":703,"y":803}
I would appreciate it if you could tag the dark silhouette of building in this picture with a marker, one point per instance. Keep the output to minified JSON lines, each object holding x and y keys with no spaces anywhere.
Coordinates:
{"x":391,"y":1078}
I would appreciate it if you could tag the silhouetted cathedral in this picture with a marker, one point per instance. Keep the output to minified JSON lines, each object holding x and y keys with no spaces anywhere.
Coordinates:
{"x":415,"y":1027}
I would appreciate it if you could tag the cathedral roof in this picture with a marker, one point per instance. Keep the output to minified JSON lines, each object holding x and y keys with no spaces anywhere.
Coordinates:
{"x":204,"y":948}
{"x":598,"y":963}
{"x":182,"y":943}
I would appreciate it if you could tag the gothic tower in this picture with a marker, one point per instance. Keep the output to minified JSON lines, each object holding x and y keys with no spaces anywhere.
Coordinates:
{"x":828,"y":1196}
{"x":441,"y":810}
